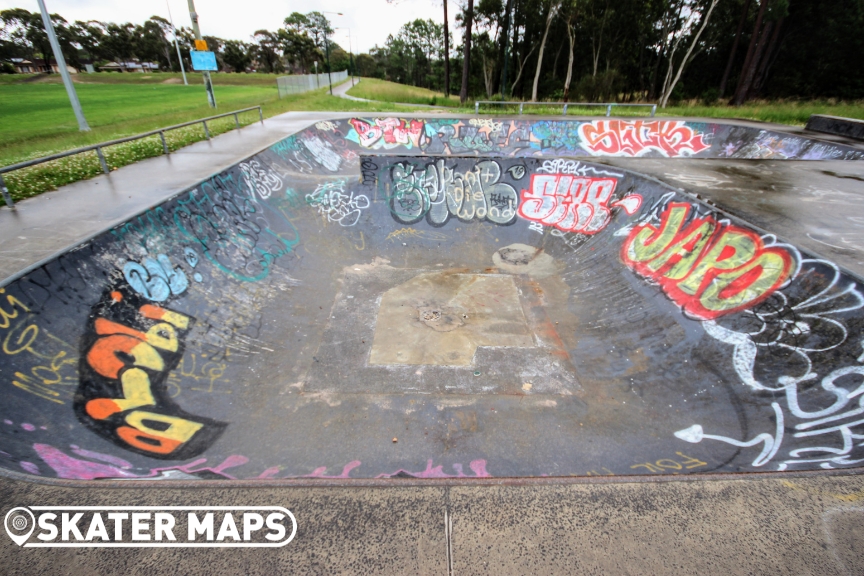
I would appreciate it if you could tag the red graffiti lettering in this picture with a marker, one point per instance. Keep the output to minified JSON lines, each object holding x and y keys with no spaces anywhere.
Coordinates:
{"x":622,"y":138}
{"x":389,"y":132}
{"x":708,"y":268}
{"x":570,"y":203}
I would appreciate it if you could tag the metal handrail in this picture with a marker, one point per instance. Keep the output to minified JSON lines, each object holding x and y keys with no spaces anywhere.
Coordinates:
{"x":565,"y":104}
{"x":98,"y":147}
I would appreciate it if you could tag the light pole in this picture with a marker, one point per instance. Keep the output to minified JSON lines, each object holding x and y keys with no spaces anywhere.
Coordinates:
{"x":176,"y":45}
{"x":327,"y":51}
{"x":61,"y":64}
{"x":208,"y":84}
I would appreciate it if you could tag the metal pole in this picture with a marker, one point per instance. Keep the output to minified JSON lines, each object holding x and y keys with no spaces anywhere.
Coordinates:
{"x":236,"y":121}
{"x":206,"y":131}
{"x":261,"y":115}
{"x":521,"y":104}
{"x":164,"y":143}
{"x":208,"y":84}
{"x":5,"y":191}
{"x":653,"y":110}
{"x":351,"y":56}
{"x":176,"y":45}
{"x":608,"y":110}
{"x":565,"y":109}
{"x":327,"y":49}
{"x":477,"y":107}
{"x":102,"y":161}
{"x":61,"y":64}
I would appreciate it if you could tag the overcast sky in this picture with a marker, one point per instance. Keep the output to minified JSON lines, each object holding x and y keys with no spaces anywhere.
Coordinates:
{"x":370,"y":21}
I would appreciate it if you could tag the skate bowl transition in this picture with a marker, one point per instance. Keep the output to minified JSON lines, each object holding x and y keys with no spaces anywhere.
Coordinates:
{"x":434,"y":298}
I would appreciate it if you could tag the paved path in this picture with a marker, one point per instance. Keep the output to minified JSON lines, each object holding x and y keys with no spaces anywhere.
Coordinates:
{"x":342,"y":92}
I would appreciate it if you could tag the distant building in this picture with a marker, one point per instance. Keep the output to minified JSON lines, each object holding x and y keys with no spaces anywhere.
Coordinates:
{"x":131,"y":66}
{"x":38,"y":66}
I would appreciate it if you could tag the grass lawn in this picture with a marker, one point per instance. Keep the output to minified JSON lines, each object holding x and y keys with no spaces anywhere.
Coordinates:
{"x":36,"y":119}
{"x":381,"y":90}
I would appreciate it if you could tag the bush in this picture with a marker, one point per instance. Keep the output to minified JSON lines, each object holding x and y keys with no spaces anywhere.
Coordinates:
{"x":7,"y":68}
{"x":710,"y":96}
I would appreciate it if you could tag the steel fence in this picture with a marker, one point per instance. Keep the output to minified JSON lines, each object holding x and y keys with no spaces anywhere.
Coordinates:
{"x":98,"y":147}
{"x":298,"y":83}
{"x":608,"y":105}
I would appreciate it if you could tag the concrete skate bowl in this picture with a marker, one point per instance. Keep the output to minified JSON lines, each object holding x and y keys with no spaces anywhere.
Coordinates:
{"x":447,"y":298}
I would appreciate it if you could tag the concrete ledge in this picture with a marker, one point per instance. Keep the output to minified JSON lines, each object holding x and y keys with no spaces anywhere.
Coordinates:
{"x":849,"y":127}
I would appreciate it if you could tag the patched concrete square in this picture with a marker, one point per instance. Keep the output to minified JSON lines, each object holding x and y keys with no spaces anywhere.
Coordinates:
{"x":441,"y":318}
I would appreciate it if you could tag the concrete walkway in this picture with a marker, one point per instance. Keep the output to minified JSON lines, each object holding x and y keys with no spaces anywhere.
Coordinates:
{"x":342,"y":92}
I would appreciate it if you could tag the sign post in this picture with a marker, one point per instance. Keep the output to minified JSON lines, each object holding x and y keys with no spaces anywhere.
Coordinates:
{"x":201,"y":46}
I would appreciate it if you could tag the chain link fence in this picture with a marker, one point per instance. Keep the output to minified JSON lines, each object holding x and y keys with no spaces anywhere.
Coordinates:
{"x":305,"y":82}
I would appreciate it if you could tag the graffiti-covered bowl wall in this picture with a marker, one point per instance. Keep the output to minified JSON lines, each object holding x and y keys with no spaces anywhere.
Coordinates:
{"x":388,"y":297}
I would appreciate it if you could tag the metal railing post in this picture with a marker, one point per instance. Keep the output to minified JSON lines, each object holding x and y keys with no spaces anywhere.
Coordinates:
{"x":236,"y":121}
{"x":164,"y":143}
{"x":653,"y":110}
{"x":608,"y":110}
{"x":565,"y":110}
{"x":260,"y":115}
{"x":476,"y":107}
{"x":102,"y":160}
{"x":6,"y":196}
{"x":521,"y":104}
{"x":206,"y":130}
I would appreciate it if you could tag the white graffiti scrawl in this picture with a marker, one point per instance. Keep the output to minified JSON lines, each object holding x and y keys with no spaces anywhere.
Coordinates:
{"x":338,"y":206}
{"x":258,"y":180}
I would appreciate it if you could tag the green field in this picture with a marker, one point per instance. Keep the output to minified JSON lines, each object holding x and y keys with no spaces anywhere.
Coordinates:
{"x":383,"y":91}
{"x":36,"y":119}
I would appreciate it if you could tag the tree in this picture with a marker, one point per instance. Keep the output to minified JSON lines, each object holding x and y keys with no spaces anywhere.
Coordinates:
{"x":686,"y":59}
{"x":119,"y":42}
{"x":267,"y":46}
{"x":466,"y":64}
{"x":237,"y":55}
{"x":553,"y":11}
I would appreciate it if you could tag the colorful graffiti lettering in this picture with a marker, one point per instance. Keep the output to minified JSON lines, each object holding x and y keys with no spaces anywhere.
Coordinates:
{"x":389,"y":132}
{"x":670,"y":138}
{"x":155,"y":279}
{"x":708,"y":268}
{"x":438,"y":191}
{"x":130,"y":348}
{"x":572,"y":203}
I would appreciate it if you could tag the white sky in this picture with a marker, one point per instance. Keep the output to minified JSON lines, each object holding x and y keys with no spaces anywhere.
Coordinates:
{"x":370,"y":21}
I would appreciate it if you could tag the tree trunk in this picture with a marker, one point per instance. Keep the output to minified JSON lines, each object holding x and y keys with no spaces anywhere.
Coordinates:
{"x":501,"y":78}
{"x":687,"y":55}
{"x":553,"y":8}
{"x":521,"y":68}
{"x":734,"y":47}
{"x":747,"y":69}
{"x":569,"y":63}
{"x":446,"y":53}
{"x":768,"y":58}
{"x":466,"y":65}
{"x":750,"y":73}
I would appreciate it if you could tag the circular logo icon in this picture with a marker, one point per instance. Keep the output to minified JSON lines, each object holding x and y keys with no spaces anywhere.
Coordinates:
{"x":20,"y":524}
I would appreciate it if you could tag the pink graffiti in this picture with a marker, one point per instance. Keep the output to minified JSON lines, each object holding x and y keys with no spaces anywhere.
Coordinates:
{"x":477,"y":466}
{"x":622,"y":138}
{"x":69,"y":467}
{"x":72,"y":468}
{"x":66,"y":466}
{"x":346,"y":471}
{"x":393,"y":131}
{"x":572,"y":203}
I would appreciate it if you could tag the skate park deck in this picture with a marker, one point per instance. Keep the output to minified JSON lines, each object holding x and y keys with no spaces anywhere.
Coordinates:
{"x":456,"y":298}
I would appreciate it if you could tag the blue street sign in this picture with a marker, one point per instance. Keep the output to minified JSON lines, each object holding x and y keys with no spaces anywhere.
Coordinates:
{"x":203,"y":60}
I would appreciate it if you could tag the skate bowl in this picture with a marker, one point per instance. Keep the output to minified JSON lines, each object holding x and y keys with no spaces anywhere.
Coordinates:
{"x":439,"y":298}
